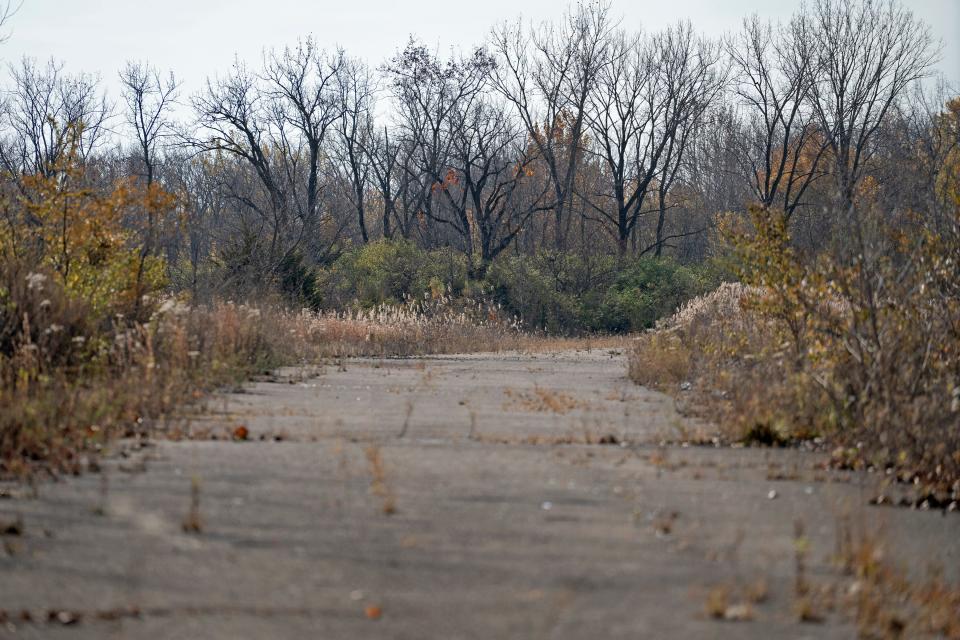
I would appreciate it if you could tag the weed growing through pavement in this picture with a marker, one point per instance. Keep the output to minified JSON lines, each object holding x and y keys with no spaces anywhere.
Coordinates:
{"x":885,"y":600}
{"x":192,"y":523}
{"x":543,"y":400}
{"x":378,"y":480}
{"x":104,"y":497}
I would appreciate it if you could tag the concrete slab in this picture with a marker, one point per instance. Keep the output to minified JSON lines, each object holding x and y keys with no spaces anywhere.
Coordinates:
{"x":450,"y":497}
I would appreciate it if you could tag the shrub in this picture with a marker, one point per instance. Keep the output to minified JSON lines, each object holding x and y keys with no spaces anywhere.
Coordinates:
{"x":67,"y":231}
{"x":61,"y":399}
{"x":390,"y":272}
{"x":538,"y":290}
{"x":734,"y":364}
{"x":866,"y":351}
{"x":566,"y":293}
{"x":643,"y":292}
{"x":298,"y":282}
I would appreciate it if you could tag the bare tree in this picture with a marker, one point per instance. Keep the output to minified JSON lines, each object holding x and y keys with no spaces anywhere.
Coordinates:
{"x":867,"y":53}
{"x":622,"y":116}
{"x":695,"y":79}
{"x":649,"y":99}
{"x":781,"y":150}
{"x":48,"y":112}
{"x":382,"y":156}
{"x":305,"y":89}
{"x":356,"y":139}
{"x":148,"y":98}
{"x":7,"y":11}
{"x":491,"y":189}
{"x":430,"y":97}
{"x":233,"y":120}
{"x":548,"y":75}
{"x":202,"y":225}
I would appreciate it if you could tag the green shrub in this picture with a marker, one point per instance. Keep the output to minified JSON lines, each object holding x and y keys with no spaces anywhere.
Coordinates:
{"x":555,"y":292}
{"x":526,"y":289}
{"x":298,"y":282}
{"x":390,"y":271}
{"x":566,"y":293}
{"x":644,"y":291}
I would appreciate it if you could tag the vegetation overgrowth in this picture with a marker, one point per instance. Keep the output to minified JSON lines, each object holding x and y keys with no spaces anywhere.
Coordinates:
{"x":94,"y":344}
{"x":550,"y":291}
{"x":572,"y":178}
{"x":865,"y":354}
{"x":69,"y":385}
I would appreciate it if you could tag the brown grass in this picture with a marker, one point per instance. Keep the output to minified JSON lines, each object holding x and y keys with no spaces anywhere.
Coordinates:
{"x":406,"y":330}
{"x":73,"y":376}
{"x":725,"y":358}
{"x":543,"y":343}
{"x":543,"y":400}
{"x":725,"y":362}
{"x":192,"y":523}
{"x":886,"y":602}
{"x":378,"y":480}
{"x":68,"y":387}
{"x":722,"y":604}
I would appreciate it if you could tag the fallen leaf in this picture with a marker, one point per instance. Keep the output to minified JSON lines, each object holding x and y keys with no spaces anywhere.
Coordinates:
{"x":241,"y":433}
{"x":373,"y":612}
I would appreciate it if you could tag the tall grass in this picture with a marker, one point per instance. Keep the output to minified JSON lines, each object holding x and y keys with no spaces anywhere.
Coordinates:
{"x":70,"y":384}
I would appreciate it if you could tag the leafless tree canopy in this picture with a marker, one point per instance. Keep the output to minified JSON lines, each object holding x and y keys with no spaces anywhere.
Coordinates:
{"x":575,"y":135}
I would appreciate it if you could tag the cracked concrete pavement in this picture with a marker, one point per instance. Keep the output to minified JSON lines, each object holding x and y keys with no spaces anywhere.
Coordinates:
{"x":479,"y":496}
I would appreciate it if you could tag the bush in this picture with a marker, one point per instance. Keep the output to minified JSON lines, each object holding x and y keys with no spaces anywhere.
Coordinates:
{"x":68,"y":384}
{"x":865,"y":351}
{"x":734,"y":365}
{"x":556,"y":292}
{"x":118,"y":380}
{"x":390,"y":272}
{"x":566,"y":293}
{"x":642,"y":293}
{"x":298,"y":282}
{"x":538,"y":290}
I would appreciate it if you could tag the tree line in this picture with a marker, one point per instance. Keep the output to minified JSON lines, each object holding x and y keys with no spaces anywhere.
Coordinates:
{"x":573,"y":136}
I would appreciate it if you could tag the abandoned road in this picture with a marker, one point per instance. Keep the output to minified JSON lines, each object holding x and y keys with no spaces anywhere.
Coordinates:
{"x":482,"y":496}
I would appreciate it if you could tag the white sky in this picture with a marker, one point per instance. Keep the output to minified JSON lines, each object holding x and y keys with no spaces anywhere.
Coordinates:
{"x":197,"y":38}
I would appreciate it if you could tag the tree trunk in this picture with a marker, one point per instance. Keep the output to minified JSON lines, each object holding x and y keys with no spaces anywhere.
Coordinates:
{"x":661,"y":218}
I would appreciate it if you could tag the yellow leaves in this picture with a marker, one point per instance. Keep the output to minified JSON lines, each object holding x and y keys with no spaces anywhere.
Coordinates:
{"x":88,"y":237}
{"x":948,"y":178}
{"x":868,"y":190}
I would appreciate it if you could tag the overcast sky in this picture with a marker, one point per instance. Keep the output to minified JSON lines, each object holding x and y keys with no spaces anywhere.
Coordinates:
{"x":197,"y":38}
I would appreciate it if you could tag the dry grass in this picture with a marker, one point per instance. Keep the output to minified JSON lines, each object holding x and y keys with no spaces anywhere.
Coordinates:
{"x":59,"y":407}
{"x":725,"y":603}
{"x":68,"y":387}
{"x":882,"y":599}
{"x":543,"y":400}
{"x":406,"y":330}
{"x":888,"y":603}
{"x":378,"y":480}
{"x":534,"y":343}
{"x":726,"y":359}
{"x":193,"y":523}
{"x":71,"y":382}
